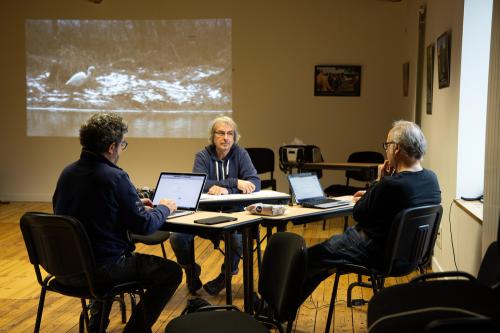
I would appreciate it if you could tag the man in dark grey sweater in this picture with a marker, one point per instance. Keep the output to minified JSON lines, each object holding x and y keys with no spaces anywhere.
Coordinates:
{"x":402,"y":183}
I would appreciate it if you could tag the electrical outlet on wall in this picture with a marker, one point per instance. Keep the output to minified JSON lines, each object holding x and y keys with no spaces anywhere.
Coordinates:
{"x":439,"y":238}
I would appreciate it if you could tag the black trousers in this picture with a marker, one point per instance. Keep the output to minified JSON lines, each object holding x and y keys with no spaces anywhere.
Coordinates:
{"x":161,"y":275}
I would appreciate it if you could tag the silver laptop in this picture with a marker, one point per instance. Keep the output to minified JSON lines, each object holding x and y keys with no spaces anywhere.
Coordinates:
{"x":184,"y":188}
{"x":308,"y":192}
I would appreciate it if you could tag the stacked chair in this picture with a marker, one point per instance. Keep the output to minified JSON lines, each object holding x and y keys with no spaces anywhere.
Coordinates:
{"x":442,"y":302}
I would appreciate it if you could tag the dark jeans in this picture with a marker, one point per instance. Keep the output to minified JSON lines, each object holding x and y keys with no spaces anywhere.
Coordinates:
{"x":322,"y":258}
{"x":161,"y":276}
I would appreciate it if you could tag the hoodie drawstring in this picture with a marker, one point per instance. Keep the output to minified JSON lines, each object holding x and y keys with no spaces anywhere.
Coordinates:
{"x":225,"y":173}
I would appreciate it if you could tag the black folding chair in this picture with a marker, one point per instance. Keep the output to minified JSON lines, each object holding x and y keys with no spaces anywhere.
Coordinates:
{"x":263,"y":161}
{"x":60,"y":245}
{"x":280,"y":285}
{"x":461,"y":303}
{"x":157,"y":237}
{"x":409,"y":247}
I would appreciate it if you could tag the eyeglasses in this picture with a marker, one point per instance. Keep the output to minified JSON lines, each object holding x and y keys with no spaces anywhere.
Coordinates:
{"x":386,"y":144}
{"x":123,"y":145}
{"x":222,"y":133}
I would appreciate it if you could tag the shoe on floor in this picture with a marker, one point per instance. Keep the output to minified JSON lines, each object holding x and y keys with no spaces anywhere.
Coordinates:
{"x":215,"y":286}
{"x":260,"y":307}
{"x":193,"y":278}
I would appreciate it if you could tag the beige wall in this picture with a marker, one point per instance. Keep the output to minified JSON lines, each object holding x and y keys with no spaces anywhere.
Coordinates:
{"x":441,"y":128}
{"x":275,"y":47}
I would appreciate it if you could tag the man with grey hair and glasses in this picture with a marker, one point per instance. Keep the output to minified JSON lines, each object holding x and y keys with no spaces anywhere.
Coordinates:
{"x":402,"y":183}
{"x":229,"y":169}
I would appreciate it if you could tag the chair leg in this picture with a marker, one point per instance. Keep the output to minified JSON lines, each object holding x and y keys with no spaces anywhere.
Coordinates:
{"x":84,"y":317}
{"x":133,"y":302}
{"x":359,"y":283}
{"x":346,"y":222}
{"x":123,"y":308}
{"x":40,"y":309}
{"x":380,"y":284}
{"x":81,"y":323}
{"x":259,"y":254}
{"x":289,"y":327}
{"x":331,"y":310}
{"x":106,"y":306}
{"x":163,"y":251}
{"x":377,"y":284}
{"x":269,"y":232}
{"x":350,"y":288}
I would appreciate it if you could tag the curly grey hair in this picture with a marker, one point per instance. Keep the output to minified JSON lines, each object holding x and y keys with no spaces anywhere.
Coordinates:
{"x":101,"y":130}
{"x":224,"y":120}
{"x":410,"y":138}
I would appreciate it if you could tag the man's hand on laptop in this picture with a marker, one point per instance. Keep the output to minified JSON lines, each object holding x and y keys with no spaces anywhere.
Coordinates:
{"x":358,"y":196}
{"x":217,"y":190}
{"x":172,"y":206}
{"x":245,"y":186}
{"x":148,"y":204}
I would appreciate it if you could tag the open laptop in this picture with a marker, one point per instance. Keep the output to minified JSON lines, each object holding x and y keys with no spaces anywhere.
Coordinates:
{"x":184,"y":188}
{"x":308,"y":192}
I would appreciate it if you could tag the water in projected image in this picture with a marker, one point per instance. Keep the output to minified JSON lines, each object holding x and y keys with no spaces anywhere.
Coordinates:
{"x":167,"y":78}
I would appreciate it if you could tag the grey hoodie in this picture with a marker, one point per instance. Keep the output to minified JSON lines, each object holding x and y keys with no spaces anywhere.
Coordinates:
{"x":226,"y":172}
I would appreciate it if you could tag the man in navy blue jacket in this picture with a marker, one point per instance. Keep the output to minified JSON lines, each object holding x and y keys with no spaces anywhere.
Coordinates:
{"x":101,"y":196}
{"x":229,"y":169}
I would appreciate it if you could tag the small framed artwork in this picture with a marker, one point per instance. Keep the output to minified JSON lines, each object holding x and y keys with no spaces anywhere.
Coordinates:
{"x":443,"y":56}
{"x":406,"y":78}
{"x":337,"y":80}
{"x":430,"y":76}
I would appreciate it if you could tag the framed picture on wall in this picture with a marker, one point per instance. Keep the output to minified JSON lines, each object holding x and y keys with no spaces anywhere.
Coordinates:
{"x":430,"y":76}
{"x":337,"y":80}
{"x":443,"y":55}
{"x":406,"y":78}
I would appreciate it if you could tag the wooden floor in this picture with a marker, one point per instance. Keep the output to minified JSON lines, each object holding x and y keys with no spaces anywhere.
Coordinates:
{"x":19,"y":290}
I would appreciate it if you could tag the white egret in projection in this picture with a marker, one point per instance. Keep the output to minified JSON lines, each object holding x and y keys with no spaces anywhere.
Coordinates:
{"x":80,"y":78}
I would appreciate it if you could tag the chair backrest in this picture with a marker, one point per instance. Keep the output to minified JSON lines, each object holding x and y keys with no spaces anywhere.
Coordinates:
{"x":263,"y":161}
{"x":411,"y":239}
{"x":489,"y":271}
{"x":283,"y":273}
{"x":59,"y":244}
{"x":363,"y":157}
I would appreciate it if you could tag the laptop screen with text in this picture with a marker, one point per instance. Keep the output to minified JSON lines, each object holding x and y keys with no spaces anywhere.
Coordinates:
{"x":305,"y":186}
{"x":184,"y":188}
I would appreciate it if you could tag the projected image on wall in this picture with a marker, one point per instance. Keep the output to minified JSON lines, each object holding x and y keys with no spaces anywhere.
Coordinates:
{"x":167,"y":78}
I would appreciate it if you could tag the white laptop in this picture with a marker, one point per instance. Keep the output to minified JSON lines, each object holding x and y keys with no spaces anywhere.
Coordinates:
{"x":183,"y":188}
{"x":308,"y":192}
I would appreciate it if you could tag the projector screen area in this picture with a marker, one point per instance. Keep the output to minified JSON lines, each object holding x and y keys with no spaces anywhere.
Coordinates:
{"x":167,"y":78}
